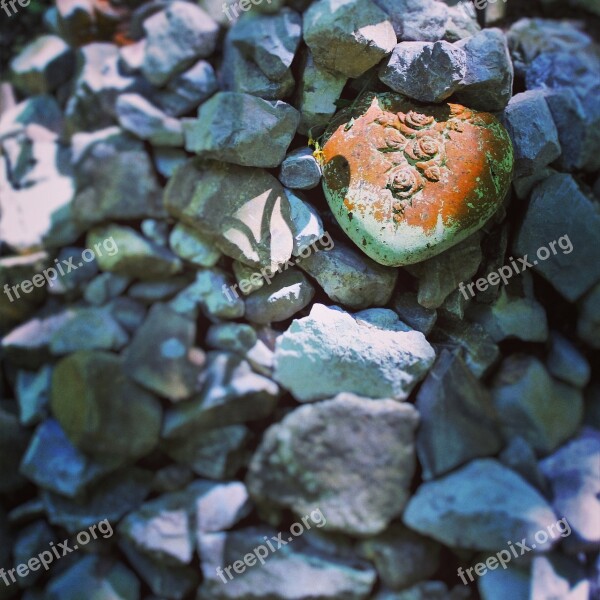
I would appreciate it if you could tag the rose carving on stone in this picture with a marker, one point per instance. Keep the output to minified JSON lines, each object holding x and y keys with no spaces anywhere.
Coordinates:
{"x":404,"y":181}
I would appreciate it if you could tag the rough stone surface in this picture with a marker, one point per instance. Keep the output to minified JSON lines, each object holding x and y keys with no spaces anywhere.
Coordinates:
{"x":588,"y":325}
{"x":371,"y":354}
{"x":193,"y":246}
{"x":290,"y":470}
{"x":565,"y":362}
{"x":300,"y":170}
{"x":485,"y":504}
{"x":347,"y":36}
{"x":416,"y":20}
{"x":397,"y":213}
{"x":413,"y":314}
{"x":425,"y":71}
{"x":307,"y":226}
{"x":226,"y":129}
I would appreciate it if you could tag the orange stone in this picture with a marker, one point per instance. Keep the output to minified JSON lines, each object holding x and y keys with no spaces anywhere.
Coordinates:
{"x":406,"y":181}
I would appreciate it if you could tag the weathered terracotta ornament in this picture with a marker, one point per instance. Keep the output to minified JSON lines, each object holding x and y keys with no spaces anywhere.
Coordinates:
{"x":407,"y":181}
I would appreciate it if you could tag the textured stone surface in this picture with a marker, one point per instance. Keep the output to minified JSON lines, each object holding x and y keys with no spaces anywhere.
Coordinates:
{"x":289,"y":467}
{"x":413,"y":314}
{"x":400,"y":214}
{"x":565,"y":362}
{"x":300,"y":170}
{"x":588,"y":325}
{"x":371,"y":354}
{"x":485,"y":504}
{"x":416,"y":20}
{"x":347,"y":36}
{"x":226,"y":130}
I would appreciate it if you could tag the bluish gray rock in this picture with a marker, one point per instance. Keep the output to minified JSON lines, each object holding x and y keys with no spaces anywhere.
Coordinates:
{"x":513,"y":582}
{"x":519,"y":456}
{"x":488,"y":80}
{"x":32,"y":391}
{"x":39,"y":110}
{"x":289,"y":467}
{"x":193,"y":246}
{"x":425,"y":71}
{"x":347,"y":36}
{"x":416,"y":20}
{"x":14,"y":440}
{"x":370,"y":353}
{"x":168,"y":160}
{"x":588,"y":324}
{"x":567,"y":363}
{"x":574,"y":266}
{"x":529,"y":123}
{"x":300,"y":170}
{"x":413,"y":314}
{"x":105,"y":287}
{"x":31,"y":541}
{"x":229,"y":113}
{"x":556,"y":576}
{"x":484,"y":505}
{"x":140,"y":118}
{"x":306,"y":223}
{"x":175,"y":38}
{"x":42,"y":65}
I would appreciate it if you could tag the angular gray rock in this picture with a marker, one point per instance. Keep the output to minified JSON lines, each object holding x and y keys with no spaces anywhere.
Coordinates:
{"x":488,"y":80}
{"x":42,"y":65}
{"x":371,"y":354}
{"x":226,"y":129}
{"x":193,"y":246}
{"x":574,"y":266}
{"x":162,"y":357}
{"x":316,"y":575}
{"x":349,"y":277}
{"x":300,"y":170}
{"x":306,"y":223}
{"x":530,"y":404}
{"x":573,"y":475}
{"x":484,"y":505}
{"x":232,"y":394}
{"x":558,"y":576}
{"x":588,"y":324}
{"x":140,"y":118}
{"x":519,"y":456}
{"x":529,"y":123}
{"x":14,"y":440}
{"x":412,"y":313}
{"x":425,"y":71}
{"x":31,"y":541}
{"x":287,"y":294}
{"x":347,"y":36}
{"x":102,"y":412}
{"x":416,"y":20}
{"x":294,"y":463}
{"x":567,"y":363}
{"x":244,"y":211}
{"x":32,"y":391}
{"x":175,"y":38}
{"x":458,"y":421}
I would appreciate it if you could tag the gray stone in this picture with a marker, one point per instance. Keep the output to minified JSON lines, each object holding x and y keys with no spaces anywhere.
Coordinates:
{"x":588,"y":324}
{"x":94,"y":572}
{"x":316,"y":575}
{"x":317,"y":93}
{"x":567,"y":363}
{"x":425,"y":71}
{"x":300,"y":170}
{"x":210,"y":293}
{"x":186,"y":91}
{"x":232,"y":394}
{"x":371,"y":354}
{"x":457,"y":418}
{"x":162,"y":357}
{"x":87,"y":329}
{"x":115,"y":179}
{"x":513,"y":582}
{"x":159,"y":290}
{"x":175,"y":38}
{"x":248,"y":278}
{"x":530,"y":404}
{"x":39,"y":110}
{"x":131,"y":56}
{"x":42,"y":65}
{"x":439,"y":276}
{"x":216,"y":453}
{"x":143,"y":120}
{"x":53,"y":463}
{"x":287,"y":294}
{"x":416,"y":20}
{"x":519,"y":456}
{"x":556,"y":576}
{"x":221,"y":507}
{"x":293,"y":465}
{"x":128,"y":312}
{"x":31,"y":541}
{"x":102,"y":412}
{"x":523,"y":186}
{"x":306,"y":223}
{"x":511,"y":317}
{"x":574,"y":267}
{"x":168,"y":160}
{"x":193,"y":246}
{"x":401,"y":556}
{"x":244,"y":211}
{"x":270,"y":41}
{"x":14,"y":440}
{"x":349,"y":277}
{"x":484,"y":505}
{"x":488,"y":80}
{"x":135,"y":256}
{"x":426,"y":590}
{"x":232,"y":337}
{"x":110,"y":499}
{"x":529,"y":123}
{"x":412,"y":313}
{"x":462,"y":21}
{"x":573,"y":475}
{"x":32,"y":391}
{"x":347,"y":36}
{"x":226,"y":130}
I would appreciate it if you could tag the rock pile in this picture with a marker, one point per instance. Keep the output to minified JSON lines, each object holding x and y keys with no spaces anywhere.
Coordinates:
{"x":195,"y":353}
